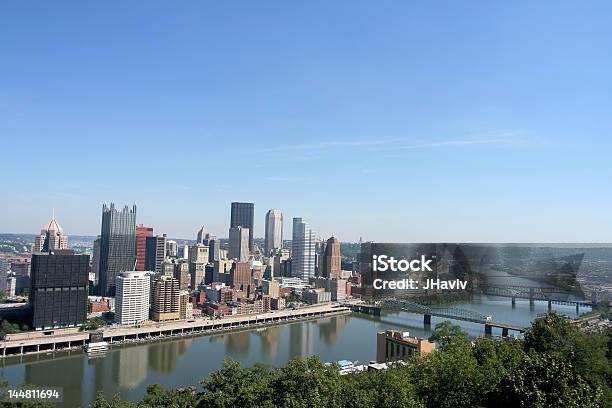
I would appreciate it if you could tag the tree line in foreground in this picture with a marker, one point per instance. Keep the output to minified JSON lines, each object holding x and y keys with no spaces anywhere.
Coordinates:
{"x":555,"y":365}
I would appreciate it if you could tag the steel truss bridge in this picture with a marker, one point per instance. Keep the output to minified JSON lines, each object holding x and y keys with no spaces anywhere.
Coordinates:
{"x":451,"y":313}
{"x":551,"y":295}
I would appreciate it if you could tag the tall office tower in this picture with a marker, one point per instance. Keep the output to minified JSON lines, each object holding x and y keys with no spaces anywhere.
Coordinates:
{"x":185,"y":251}
{"x":214,"y":245}
{"x":132,"y":297}
{"x":240,"y":275}
{"x":155,"y":253}
{"x":302,"y":250}
{"x":95,"y":259}
{"x":243,"y":215}
{"x":142,"y":233}
{"x":167,"y":267}
{"x":3,"y":274}
{"x":320,"y":259}
{"x":165,"y":299}
{"x":171,"y":249}
{"x":274,"y":230}
{"x":201,"y":235}
{"x":197,"y":272}
{"x":117,"y":245}
{"x":58,"y":289}
{"x":181,"y":274}
{"x":332,"y":260}
{"x":51,"y":237}
{"x":198,"y":253}
{"x":239,"y":243}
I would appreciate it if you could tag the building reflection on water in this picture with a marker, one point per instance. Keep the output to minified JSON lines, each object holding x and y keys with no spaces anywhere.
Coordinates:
{"x":300,"y":340}
{"x":163,"y":355}
{"x":66,"y":373}
{"x":132,"y":367}
{"x":330,"y":329}
{"x":269,"y":342}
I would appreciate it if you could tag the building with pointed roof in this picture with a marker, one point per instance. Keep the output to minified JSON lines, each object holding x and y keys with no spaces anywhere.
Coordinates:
{"x":51,"y":237}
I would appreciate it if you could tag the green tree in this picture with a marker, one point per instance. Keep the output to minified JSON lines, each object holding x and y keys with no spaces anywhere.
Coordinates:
{"x":543,"y":380}
{"x":235,"y":386}
{"x":448,"y":334}
{"x":586,"y":352}
{"x":307,"y":383}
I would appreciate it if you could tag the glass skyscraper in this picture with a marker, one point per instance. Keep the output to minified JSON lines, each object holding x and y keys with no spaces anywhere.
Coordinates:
{"x":243,"y":215}
{"x":274,"y":230}
{"x":117,"y":245}
{"x":302,"y":250}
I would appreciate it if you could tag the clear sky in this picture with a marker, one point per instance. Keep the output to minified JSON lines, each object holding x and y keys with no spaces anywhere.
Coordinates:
{"x":392,"y":121}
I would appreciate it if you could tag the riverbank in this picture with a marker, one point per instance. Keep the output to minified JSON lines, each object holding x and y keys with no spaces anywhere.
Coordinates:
{"x":60,"y":340}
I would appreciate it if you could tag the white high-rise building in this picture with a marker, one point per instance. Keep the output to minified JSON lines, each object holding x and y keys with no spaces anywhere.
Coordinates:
{"x":274,"y":230}
{"x":302,"y":250}
{"x":185,"y":253}
{"x":51,"y":237}
{"x":239,"y":244}
{"x":133,"y":290}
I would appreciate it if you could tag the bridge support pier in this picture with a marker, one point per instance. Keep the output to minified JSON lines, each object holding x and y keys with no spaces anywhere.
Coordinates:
{"x":488,"y":330}
{"x":549,"y":306}
{"x":504,"y":332}
{"x":513,"y":302}
{"x":427,"y":319}
{"x":577,"y":309}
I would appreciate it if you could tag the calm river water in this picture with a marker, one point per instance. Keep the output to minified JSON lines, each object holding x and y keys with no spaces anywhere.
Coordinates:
{"x":128,"y":369}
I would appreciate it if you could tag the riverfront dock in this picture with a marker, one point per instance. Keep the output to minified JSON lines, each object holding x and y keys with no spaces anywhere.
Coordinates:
{"x":47,"y":341}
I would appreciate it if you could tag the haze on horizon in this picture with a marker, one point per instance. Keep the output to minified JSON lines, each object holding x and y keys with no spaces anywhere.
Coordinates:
{"x":392,"y":121}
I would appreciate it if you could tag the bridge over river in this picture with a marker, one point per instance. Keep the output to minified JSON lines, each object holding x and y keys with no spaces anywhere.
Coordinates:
{"x":451,"y":313}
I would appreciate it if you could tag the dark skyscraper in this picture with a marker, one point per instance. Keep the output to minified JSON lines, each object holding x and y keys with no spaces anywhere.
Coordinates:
{"x":243,"y":215}
{"x":155,"y":253}
{"x":117,"y":245}
{"x":58,"y":291}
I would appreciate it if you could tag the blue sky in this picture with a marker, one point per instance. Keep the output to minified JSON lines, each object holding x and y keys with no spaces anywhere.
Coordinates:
{"x":391,"y":121}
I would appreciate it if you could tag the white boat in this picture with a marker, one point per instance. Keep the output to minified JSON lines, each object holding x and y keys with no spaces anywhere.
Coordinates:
{"x":97,"y":348}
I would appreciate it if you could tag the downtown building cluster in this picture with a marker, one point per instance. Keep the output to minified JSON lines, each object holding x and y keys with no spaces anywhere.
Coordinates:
{"x":136,"y":276}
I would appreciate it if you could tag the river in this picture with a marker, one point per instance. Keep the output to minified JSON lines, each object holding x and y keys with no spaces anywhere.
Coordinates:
{"x":128,"y":369}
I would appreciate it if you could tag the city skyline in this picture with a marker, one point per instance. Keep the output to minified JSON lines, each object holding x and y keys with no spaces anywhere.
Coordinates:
{"x":479,"y":123}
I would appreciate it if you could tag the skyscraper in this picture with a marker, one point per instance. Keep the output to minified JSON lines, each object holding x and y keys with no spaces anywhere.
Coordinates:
{"x":214,"y":245}
{"x":155,"y":252}
{"x":58,"y":289}
{"x":165,"y":299}
{"x":239,"y":243}
{"x":51,"y":237}
{"x":274,"y":230}
{"x":95,"y":260}
{"x":243,"y":215}
{"x":117,"y":245}
{"x":142,"y":233}
{"x":302,"y":250}
{"x":201,"y":235}
{"x":171,"y":248}
{"x":332,"y":260}
{"x":132,"y":299}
